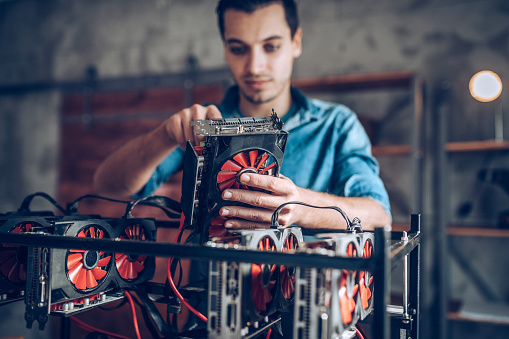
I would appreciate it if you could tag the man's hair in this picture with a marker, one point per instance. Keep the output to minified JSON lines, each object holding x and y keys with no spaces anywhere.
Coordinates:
{"x":249,"y":6}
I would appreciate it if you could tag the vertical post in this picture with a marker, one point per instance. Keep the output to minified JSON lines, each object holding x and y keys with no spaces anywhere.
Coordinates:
{"x":65,"y":328}
{"x":415,"y":278}
{"x":382,"y":283}
{"x":439,"y":312}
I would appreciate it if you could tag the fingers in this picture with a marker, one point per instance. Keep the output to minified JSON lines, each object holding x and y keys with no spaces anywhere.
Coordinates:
{"x":279,"y":186}
{"x":245,"y":218}
{"x":180,"y":131}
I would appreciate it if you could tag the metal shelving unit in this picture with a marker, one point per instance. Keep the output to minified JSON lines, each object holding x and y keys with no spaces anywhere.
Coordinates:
{"x":391,"y":248}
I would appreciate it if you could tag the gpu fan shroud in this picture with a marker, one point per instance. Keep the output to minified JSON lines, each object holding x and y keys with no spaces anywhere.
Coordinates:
{"x":231,"y":147}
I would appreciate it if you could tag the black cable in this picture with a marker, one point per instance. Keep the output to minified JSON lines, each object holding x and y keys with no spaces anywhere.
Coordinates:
{"x":354,"y":225}
{"x":25,"y":205}
{"x":72,"y":208}
{"x":158,"y":321}
{"x":169,"y":206}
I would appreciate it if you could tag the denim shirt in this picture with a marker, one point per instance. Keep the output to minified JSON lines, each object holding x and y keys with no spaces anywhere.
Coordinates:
{"x":328,"y":150}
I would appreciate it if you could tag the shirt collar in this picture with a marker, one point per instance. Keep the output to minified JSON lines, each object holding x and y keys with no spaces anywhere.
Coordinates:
{"x":301,"y":112}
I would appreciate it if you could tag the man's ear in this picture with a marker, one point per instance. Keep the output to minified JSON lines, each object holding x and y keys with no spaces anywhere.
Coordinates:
{"x":297,"y":43}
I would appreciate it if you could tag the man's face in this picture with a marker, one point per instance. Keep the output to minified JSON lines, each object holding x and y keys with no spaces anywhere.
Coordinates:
{"x":260,"y":51}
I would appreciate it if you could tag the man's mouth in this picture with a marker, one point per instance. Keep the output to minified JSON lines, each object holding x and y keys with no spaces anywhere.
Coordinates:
{"x":256,"y":83}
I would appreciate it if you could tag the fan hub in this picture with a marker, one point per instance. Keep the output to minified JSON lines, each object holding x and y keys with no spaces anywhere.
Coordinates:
{"x":90,"y":259}
{"x":133,"y":257}
{"x":245,"y":170}
{"x":266,"y":273}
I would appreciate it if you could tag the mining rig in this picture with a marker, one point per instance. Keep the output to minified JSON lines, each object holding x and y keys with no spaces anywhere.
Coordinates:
{"x":259,"y":283}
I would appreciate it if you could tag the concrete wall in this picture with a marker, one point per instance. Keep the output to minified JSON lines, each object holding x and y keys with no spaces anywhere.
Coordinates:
{"x":446,"y":41}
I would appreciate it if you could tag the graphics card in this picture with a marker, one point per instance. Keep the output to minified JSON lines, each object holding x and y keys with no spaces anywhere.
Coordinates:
{"x":242,"y":296}
{"x":231,"y":147}
{"x":326,"y":300}
{"x":13,"y":259}
{"x":67,"y":281}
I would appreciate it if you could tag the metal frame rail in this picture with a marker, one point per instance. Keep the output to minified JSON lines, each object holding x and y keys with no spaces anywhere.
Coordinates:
{"x":386,"y":257}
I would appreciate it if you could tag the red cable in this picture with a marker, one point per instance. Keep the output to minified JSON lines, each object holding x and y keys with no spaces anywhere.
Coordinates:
{"x":135,"y":319}
{"x":359,"y":334}
{"x":172,"y":284}
{"x":269,"y":333}
{"x":90,"y":328}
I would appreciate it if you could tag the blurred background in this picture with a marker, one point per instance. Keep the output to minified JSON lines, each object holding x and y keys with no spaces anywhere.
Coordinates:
{"x":78,"y":78}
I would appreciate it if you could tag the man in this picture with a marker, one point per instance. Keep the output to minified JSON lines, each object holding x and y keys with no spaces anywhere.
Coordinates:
{"x":327,"y":161}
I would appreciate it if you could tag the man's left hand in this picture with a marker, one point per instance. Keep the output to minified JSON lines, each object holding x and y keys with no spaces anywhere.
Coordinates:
{"x":281,"y":189}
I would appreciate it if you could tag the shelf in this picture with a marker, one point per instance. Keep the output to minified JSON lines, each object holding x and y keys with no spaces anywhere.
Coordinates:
{"x":485,"y":319}
{"x":346,"y":82}
{"x":478,"y":232}
{"x":477,"y":146}
{"x":391,"y":150}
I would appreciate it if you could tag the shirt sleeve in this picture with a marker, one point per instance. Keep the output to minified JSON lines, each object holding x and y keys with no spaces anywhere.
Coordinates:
{"x":356,"y":171}
{"x":170,"y":165}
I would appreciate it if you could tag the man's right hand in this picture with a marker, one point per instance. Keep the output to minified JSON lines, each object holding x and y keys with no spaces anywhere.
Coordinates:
{"x":178,"y":128}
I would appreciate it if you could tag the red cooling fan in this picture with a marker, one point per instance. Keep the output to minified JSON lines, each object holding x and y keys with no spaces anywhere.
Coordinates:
{"x":365,"y":278}
{"x":263,"y":278}
{"x":347,"y":300}
{"x":13,"y":259}
{"x":130,"y":266}
{"x":216,"y":228}
{"x":86,"y":269}
{"x":287,"y":274}
{"x":244,"y":162}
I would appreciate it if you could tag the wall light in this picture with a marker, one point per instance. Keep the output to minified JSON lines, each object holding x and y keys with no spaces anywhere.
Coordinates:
{"x":486,"y":86}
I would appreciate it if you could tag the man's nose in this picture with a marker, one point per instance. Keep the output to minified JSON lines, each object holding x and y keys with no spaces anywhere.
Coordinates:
{"x":257,"y":61}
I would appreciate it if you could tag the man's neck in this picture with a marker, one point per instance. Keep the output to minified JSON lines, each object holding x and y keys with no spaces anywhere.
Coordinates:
{"x":281,"y":106}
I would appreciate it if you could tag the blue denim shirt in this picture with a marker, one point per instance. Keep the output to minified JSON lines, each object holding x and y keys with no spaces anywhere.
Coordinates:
{"x":328,"y":150}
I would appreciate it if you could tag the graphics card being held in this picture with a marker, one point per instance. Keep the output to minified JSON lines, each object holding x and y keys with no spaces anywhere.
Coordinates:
{"x":231,"y":147}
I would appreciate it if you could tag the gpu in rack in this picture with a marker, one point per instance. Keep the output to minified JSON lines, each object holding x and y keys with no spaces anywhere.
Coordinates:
{"x":326,"y":299}
{"x":231,"y":147}
{"x":242,"y":296}
{"x":67,"y":281}
{"x":13,"y":259}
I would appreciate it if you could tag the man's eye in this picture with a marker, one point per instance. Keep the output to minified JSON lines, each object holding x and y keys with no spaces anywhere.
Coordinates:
{"x":271,"y":48}
{"x":237,"y":50}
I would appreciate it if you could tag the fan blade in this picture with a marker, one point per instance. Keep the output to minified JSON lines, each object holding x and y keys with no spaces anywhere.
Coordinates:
{"x":227,"y":184}
{"x":365,"y":291}
{"x":98,"y":273}
{"x":82,"y":234}
{"x":267,"y":168}
{"x":264,"y":158}
{"x":90,"y":279}
{"x":252,"y":157}
{"x":74,"y":272}
{"x":287,"y":283}
{"x":91,"y":230}
{"x":231,"y":166}
{"x":345,"y":305}
{"x":73,"y":260}
{"x":122,"y":266}
{"x":225,"y":175}
{"x":241,"y":159}
{"x":137,"y":267}
{"x":22,"y":272}
{"x":14,"y":273}
{"x":81,"y":279}
{"x":217,"y":230}
{"x":104,"y":261}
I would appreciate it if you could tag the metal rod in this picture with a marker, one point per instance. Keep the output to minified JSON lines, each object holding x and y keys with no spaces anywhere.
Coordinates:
{"x":190,"y":251}
{"x":405,"y":278}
